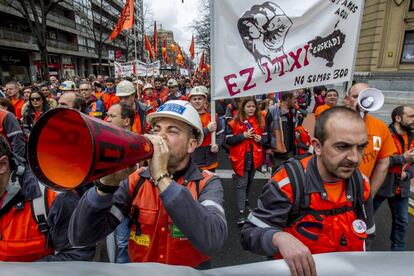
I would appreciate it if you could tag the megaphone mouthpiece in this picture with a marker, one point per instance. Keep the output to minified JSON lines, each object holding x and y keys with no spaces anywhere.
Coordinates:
{"x":367,"y":102}
{"x":370,"y":100}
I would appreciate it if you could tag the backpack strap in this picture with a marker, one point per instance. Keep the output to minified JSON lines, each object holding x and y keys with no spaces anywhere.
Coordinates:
{"x":40,"y":211}
{"x":359,"y":203}
{"x":133,"y":217}
{"x":297,"y":179}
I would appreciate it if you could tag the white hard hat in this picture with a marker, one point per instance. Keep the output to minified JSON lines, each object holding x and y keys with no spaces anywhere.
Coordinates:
{"x":147,"y":86}
{"x":125,"y":88}
{"x":172,"y":82}
{"x":67,"y":85}
{"x":138,"y":82}
{"x":197,"y":91}
{"x":182,"y":111}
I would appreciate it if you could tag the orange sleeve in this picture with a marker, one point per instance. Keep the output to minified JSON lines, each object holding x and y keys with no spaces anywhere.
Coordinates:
{"x":388,"y":147}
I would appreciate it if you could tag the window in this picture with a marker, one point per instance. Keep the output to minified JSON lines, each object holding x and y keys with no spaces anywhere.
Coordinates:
{"x":411,"y":5}
{"x":408,"y":48}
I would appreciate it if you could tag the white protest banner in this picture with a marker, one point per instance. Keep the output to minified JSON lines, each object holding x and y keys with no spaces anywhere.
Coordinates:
{"x":183,"y":72}
{"x":260,"y":47}
{"x":124,"y":69}
{"x":153,"y":69}
{"x":141,"y":69}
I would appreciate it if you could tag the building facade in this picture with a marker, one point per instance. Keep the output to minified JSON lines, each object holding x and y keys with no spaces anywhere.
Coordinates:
{"x":74,"y":31}
{"x":385,"y":56}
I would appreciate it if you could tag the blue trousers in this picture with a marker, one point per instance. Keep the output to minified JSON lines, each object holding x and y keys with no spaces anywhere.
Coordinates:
{"x":399,"y":213}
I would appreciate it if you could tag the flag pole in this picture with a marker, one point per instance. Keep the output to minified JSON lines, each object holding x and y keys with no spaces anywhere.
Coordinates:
{"x":212,"y":103}
{"x":135,"y":37}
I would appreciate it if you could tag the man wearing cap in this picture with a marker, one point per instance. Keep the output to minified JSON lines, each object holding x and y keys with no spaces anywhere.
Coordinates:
{"x":205,"y":156}
{"x":67,"y":86}
{"x":126,"y":93}
{"x":175,"y":209}
{"x":109,"y":96}
{"x":173,"y":92}
{"x":149,"y":97}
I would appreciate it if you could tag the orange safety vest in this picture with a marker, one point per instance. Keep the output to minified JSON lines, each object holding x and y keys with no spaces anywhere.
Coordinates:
{"x":205,"y":120}
{"x":21,"y":239}
{"x":18,"y":105}
{"x":325,"y":233}
{"x":163,"y":93}
{"x":109,"y":99}
{"x":399,"y":142}
{"x":302,"y":136}
{"x":237,"y":152}
{"x":157,"y":238}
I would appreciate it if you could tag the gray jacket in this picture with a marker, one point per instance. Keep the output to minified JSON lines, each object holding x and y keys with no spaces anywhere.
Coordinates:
{"x":202,"y":221}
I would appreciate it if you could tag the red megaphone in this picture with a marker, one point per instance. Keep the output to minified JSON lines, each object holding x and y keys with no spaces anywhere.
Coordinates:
{"x":68,"y":149}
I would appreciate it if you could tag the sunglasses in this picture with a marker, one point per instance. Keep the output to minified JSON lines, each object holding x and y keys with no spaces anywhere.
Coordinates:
{"x":37,"y":99}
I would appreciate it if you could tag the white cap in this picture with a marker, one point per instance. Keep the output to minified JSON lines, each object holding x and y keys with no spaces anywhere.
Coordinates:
{"x":125,"y":88}
{"x":67,"y":85}
{"x":138,"y":82}
{"x":172,"y":82}
{"x":197,"y":91}
{"x":182,"y":111}
{"x":147,"y":86}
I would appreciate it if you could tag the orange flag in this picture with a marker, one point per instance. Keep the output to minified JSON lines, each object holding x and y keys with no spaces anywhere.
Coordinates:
{"x":201,"y":64}
{"x":165,"y":54}
{"x":155,"y":39}
{"x":192,"y":48}
{"x":148,"y":47}
{"x":125,"y":21}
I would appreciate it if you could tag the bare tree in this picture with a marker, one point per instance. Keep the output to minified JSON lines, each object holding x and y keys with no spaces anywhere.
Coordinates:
{"x":201,"y":27}
{"x":36,"y":13}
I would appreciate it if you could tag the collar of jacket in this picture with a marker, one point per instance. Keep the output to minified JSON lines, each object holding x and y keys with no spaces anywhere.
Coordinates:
{"x":192,"y":173}
{"x":314,"y":182}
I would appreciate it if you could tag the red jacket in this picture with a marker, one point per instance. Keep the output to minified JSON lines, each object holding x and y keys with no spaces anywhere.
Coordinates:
{"x":238,"y":151}
{"x":158,"y":239}
{"x":332,"y":233}
{"x":21,"y":240}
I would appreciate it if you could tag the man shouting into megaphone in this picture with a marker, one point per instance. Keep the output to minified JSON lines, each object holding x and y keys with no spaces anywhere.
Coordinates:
{"x":175,"y":210}
{"x":375,"y":160}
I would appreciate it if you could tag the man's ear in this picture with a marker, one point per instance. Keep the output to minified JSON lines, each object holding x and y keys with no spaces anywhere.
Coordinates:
{"x":192,"y":145}
{"x":4,"y":164}
{"x":398,"y":119}
{"x":317,"y":146}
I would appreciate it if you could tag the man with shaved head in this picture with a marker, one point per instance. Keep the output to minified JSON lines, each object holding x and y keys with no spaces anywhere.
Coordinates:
{"x":375,"y":160}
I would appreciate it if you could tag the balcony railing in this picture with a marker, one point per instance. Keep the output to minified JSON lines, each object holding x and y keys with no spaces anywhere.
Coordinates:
{"x":28,"y":38}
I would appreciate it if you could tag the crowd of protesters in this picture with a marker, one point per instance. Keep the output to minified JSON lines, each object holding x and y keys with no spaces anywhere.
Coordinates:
{"x":258,"y":133}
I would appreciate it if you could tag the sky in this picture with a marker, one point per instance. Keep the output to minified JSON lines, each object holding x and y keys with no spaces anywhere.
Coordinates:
{"x":175,"y":16}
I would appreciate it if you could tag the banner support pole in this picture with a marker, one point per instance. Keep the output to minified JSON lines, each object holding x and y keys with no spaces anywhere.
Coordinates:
{"x":212,"y":103}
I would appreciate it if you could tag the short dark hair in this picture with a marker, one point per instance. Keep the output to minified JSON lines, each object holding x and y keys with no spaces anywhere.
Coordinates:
{"x":398,"y":111}
{"x":318,"y":89}
{"x":110,"y":80}
{"x":333,"y":90}
{"x":158,"y":79}
{"x":127,"y":112}
{"x":321,"y":133}
{"x":286,"y":95}
{"x":9,"y":106}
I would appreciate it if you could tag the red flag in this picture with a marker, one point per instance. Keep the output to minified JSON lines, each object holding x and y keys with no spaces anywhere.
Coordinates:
{"x":155,"y":39}
{"x":201,"y":63}
{"x":125,"y":21}
{"x":148,"y":47}
{"x":192,"y":48}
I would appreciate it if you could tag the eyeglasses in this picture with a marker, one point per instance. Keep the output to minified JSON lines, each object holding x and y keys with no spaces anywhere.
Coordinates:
{"x":37,"y":99}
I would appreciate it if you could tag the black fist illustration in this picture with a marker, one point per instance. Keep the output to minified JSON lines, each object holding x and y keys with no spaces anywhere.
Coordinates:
{"x":263,"y":30}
